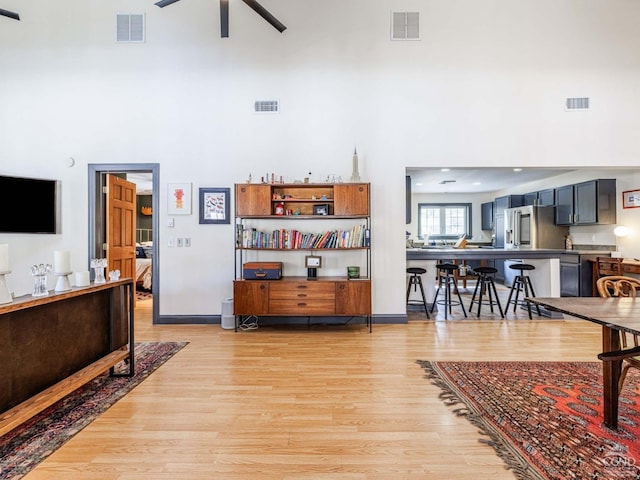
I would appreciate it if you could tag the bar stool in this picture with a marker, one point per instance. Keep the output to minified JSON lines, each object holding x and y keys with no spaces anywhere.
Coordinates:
{"x":448,"y":281}
{"x":416,"y":280}
{"x":485,"y":284}
{"x":522,"y":283}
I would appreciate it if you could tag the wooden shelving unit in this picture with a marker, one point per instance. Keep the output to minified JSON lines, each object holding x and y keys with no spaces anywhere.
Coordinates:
{"x":263,"y":217}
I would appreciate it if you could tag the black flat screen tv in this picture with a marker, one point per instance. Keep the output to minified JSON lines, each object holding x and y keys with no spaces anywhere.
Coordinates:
{"x":29,"y":205}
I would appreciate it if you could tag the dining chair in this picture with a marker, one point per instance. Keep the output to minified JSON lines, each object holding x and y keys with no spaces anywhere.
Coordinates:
{"x":603,"y":267}
{"x":621,"y":286}
{"x":608,"y":266}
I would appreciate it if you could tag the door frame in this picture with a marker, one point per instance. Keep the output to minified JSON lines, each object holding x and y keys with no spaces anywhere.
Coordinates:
{"x":97,"y":214}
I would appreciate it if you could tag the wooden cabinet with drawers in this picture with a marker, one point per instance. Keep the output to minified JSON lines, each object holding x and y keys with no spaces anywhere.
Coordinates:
{"x":265,"y":219}
{"x":302,"y":297}
{"x":297,"y":296}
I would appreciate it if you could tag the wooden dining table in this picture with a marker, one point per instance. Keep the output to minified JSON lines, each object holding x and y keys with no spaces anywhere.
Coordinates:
{"x":615,"y":315}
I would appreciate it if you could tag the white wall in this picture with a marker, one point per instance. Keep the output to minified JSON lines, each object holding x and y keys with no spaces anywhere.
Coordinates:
{"x":484,"y":86}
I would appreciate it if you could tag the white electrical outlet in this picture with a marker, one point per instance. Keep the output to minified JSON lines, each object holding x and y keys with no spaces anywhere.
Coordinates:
{"x":171,"y":222}
{"x":180,"y":242}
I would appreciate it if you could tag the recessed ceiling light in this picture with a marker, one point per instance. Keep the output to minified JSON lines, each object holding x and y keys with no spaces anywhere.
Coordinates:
{"x":517,"y":169}
{"x":444,"y":169}
{"x":419,"y":184}
{"x":477,"y":183}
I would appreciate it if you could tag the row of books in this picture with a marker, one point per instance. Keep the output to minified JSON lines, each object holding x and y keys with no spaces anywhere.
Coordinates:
{"x":357,"y":237}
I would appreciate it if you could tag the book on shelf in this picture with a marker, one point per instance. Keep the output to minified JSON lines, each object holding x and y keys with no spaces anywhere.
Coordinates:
{"x":290,"y":239}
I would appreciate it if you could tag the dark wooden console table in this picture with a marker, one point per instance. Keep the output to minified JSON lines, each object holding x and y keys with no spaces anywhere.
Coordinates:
{"x":50,"y":346}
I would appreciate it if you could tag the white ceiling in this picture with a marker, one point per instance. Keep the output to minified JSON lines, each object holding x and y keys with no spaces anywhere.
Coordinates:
{"x":475,"y":180}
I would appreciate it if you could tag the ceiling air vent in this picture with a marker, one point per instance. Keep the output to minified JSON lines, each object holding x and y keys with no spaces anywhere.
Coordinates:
{"x":405,"y":26}
{"x":266,"y":106}
{"x":577,"y":104}
{"x":130,"y":28}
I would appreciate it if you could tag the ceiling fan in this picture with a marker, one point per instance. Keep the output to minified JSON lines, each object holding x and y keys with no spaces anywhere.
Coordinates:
{"x":7,"y":13}
{"x":224,"y":14}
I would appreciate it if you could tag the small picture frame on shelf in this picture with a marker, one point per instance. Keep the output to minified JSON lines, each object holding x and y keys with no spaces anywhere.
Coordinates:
{"x":313,"y":261}
{"x":321,"y":209}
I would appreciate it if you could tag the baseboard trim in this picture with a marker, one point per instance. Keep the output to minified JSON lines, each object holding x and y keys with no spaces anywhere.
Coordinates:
{"x":188,"y":320}
{"x":216,"y":320}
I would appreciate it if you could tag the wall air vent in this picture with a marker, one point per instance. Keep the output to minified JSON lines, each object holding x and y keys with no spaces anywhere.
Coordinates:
{"x":266,"y":106}
{"x":577,"y":104}
{"x":446,"y":182}
{"x":130,"y":28}
{"x":405,"y":26}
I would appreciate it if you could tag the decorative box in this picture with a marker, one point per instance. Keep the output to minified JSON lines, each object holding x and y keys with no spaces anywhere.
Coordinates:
{"x":262,"y":270}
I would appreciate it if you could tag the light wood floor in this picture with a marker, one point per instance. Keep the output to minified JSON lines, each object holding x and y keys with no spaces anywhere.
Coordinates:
{"x":291,"y":403}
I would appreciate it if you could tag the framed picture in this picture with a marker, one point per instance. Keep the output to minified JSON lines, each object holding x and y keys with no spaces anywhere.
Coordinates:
{"x":179,"y":199}
{"x":312,"y":261}
{"x":321,"y":209}
{"x":631,"y":199}
{"x":214,"y":205}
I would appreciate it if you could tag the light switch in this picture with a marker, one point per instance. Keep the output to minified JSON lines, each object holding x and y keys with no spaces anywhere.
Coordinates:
{"x":180,"y":242}
{"x":170,"y":242}
{"x":171,"y":222}
{"x":187,"y":241}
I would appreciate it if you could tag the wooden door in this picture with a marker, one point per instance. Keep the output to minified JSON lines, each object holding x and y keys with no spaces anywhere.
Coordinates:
{"x":121,"y":226}
{"x":253,"y":199}
{"x":351,"y":199}
{"x":250,"y":297}
{"x":353,"y":297}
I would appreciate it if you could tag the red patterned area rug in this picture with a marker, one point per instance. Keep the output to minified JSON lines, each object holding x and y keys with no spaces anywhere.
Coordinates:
{"x":143,"y":294}
{"x":544,"y":419}
{"x":27,"y":445}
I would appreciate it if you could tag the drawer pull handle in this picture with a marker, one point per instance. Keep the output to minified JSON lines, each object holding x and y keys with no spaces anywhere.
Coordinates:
{"x":261,"y":287}
{"x":302,"y":304}
{"x":301,"y":286}
{"x":302,"y":294}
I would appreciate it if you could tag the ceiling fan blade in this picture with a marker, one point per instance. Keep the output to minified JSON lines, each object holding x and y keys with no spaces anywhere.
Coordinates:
{"x":164,"y":3}
{"x":224,"y":18}
{"x":260,"y":10}
{"x":7,"y":13}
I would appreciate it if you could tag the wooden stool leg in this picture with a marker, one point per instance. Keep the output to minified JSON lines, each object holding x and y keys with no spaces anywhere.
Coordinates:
{"x":435,"y":299}
{"x":533,"y":294}
{"x":473,"y":297}
{"x":481,"y":282}
{"x":493,"y":285}
{"x":513,"y":287}
{"x":462,"y":304}
{"x":517,"y":283}
{"x":487,"y":280}
{"x":447,"y":296}
{"x":424,"y":298}
{"x":526,"y":294}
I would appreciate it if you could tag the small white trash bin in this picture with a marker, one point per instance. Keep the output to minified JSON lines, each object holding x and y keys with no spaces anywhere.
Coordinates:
{"x":227,"y":320}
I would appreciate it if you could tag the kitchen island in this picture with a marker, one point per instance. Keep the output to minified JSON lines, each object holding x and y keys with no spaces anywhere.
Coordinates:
{"x":545,"y":278}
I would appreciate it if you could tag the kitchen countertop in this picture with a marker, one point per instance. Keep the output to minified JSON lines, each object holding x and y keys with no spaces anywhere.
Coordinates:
{"x":442,"y":253}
